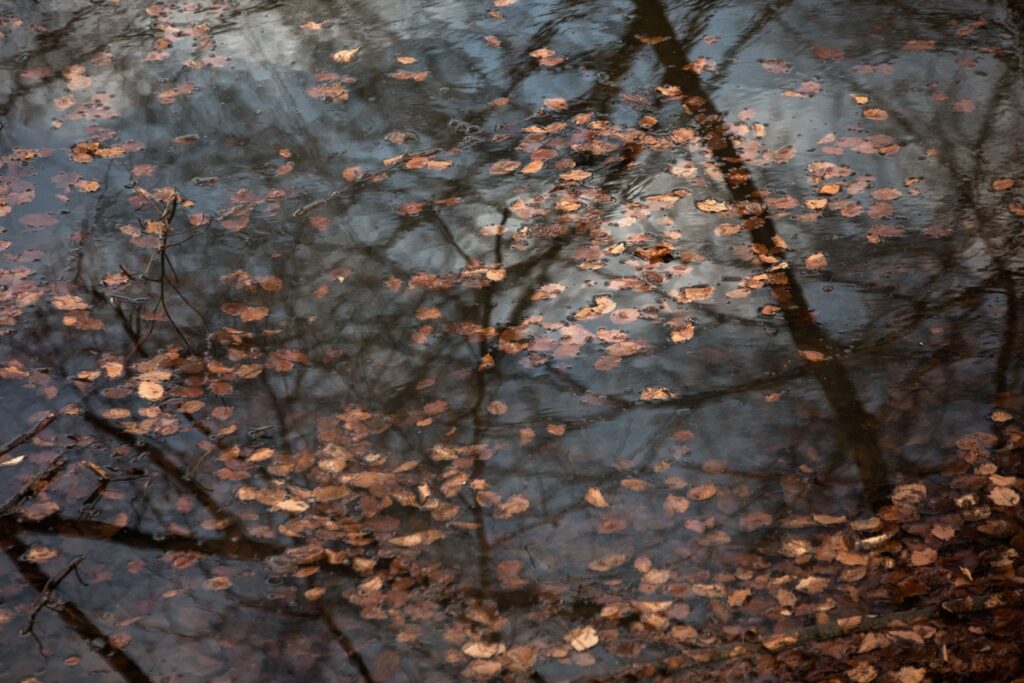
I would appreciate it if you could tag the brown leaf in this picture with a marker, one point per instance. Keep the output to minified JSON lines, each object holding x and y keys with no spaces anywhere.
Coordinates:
{"x":410,"y":75}
{"x":816,"y":261}
{"x":217,"y":583}
{"x":512,"y":506}
{"x":777,"y":642}
{"x":417,"y":539}
{"x":775,"y":66}
{"x":910,"y":674}
{"x":755,"y":520}
{"x":812,"y":585}
{"x":711,"y":205}
{"x":676,"y":504}
{"x":738,"y":598}
{"x":657,"y":394}
{"x":608,"y":562}
{"x":150,"y":390}
{"x":479,"y":649}
{"x":595,"y":498}
{"x":575,"y":175}
{"x":504,"y":167}
{"x":1004,"y":496}
{"x":345,"y":56}
{"x":582,"y":639}
{"x":862,"y":673}
{"x":69,"y":302}
{"x":702,"y":492}
{"x":923,"y":557}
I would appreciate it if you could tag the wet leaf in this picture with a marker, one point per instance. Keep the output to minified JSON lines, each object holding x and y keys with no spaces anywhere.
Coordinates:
{"x":150,"y":390}
{"x":608,"y":562}
{"x":1004,"y":496}
{"x":345,"y":56}
{"x":481,"y":650}
{"x":657,"y":394}
{"x":582,"y":639}
{"x":595,"y":498}
{"x":712,"y":206}
{"x":504,"y":167}
{"x":515,"y":504}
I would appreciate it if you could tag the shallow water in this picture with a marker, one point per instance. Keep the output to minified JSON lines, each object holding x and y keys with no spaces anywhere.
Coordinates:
{"x":440,"y":300}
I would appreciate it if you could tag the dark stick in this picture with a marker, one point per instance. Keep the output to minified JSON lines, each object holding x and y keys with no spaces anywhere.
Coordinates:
{"x":35,"y":484}
{"x":44,"y":595}
{"x":75,"y":619}
{"x":17,"y":441}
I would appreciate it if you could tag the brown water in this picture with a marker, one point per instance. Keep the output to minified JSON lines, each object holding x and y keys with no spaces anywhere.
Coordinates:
{"x":373,"y":317}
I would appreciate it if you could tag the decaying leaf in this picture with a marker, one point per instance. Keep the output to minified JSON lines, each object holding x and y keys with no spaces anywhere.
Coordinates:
{"x":513,"y":505}
{"x":583,"y":638}
{"x":596,"y":498}
{"x":712,"y":206}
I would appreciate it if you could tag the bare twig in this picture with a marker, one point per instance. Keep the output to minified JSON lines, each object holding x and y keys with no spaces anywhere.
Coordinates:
{"x":18,"y":440}
{"x":46,"y":594}
{"x":74,"y":618}
{"x":35,"y":484}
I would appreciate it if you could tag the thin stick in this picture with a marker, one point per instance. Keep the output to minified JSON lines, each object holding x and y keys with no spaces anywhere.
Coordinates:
{"x":17,"y":441}
{"x":75,"y":618}
{"x":35,"y":484}
{"x":44,"y":595}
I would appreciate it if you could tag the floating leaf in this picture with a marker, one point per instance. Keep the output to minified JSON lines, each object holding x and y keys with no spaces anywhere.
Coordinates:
{"x":595,"y":498}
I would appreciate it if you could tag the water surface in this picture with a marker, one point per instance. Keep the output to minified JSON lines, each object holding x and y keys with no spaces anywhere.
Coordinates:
{"x":381,"y":334}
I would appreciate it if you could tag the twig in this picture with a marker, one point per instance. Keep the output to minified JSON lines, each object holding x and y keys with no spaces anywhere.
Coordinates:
{"x":17,"y":441}
{"x":44,"y":595}
{"x":35,"y":484}
{"x":75,"y":618}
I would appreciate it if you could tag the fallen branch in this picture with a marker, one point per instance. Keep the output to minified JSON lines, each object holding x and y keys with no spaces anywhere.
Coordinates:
{"x":74,"y":617}
{"x":17,"y":441}
{"x":46,"y":594}
{"x":836,"y":628}
{"x":34,"y":485}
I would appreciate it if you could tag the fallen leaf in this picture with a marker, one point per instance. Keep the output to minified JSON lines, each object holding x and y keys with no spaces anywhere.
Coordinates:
{"x":575,"y":175}
{"x":417,"y":539}
{"x":862,"y":673}
{"x":774,"y":643}
{"x":504,"y":167}
{"x":702,"y":492}
{"x":816,"y":261}
{"x":39,"y":554}
{"x":657,"y":394}
{"x":1004,"y":496}
{"x":512,"y":506}
{"x":608,"y":562}
{"x":150,"y":390}
{"x":712,"y":206}
{"x":674,"y":505}
{"x":582,"y":639}
{"x":480,"y":650}
{"x":345,"y":56}
{"x":923,"y":557}
{"x":910,"y":674}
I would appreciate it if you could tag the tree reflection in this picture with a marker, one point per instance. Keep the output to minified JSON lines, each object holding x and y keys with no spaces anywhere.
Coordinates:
{"x":352,"y":351}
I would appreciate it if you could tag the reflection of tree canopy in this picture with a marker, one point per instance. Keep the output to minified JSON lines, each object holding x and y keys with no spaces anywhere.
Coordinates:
{"x":441,"y":343}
